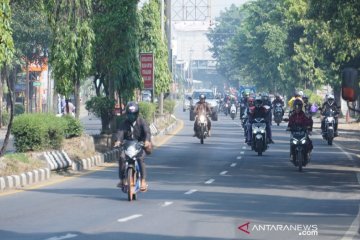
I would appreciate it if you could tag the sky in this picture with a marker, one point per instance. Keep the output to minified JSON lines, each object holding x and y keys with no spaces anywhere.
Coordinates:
{"x":219,"y":5}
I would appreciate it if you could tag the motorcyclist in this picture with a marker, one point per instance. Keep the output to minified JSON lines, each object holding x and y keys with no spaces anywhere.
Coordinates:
{"x":133,"y":127}
{"x":200,"y":107}
{"x":307,"y":108}
{"x":328,"y":105}
{"x":280,"y":101}
{"x":246,"y":125}
{"x":299,"y":119}
{"x":259,"y":111}
{"x":297,"y":95}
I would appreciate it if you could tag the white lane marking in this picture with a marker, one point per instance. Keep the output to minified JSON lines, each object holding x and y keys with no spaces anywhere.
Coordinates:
{"x":239,"y":157}
{"x":210,"y":181}
{"x":243,"y":147}
{"x":233,"y":165}
{"x":67,"y":236}
{"x":242,"y":152}
{"x":129,"y":218}
{"x":165,"y":204}
{"x":223,"y":172}
{"x":191,"y":191}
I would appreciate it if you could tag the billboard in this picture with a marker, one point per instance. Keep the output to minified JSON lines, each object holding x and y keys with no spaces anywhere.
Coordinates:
{"x":147,"y":69}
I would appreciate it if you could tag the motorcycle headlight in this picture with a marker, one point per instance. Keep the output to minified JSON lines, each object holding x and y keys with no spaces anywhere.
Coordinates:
{"x":262,"y":131}
{"x":131,"y":151}
{"x":294,"y":141}
{"x":303,"y":141}
{"x":202,"y":118}
{"x":254,"y":132}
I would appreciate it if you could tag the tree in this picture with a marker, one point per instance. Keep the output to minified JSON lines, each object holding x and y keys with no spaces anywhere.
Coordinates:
{"x":71,"y":50}
{"x":31,"y":33}
{"x":6,"y":54}
{"x":151,"y":40}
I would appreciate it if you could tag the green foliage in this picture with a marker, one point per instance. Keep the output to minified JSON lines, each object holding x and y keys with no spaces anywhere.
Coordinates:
{"x":73,"y":127}
{"x":313,"y":97}
{"x":151,"y":41}
{"x":169,"y":106}
{"x":31,"y":31}
{"x":284,"y":45}
{"x":101,"y":107}
{"x":71,"y":51}
{"x":5,"y":118}
{"x":116,"y":51}
{"x":6,"y":40}
{"x":147,"y":111}
{"x":38,"y":132}
{"x":19,"y":109}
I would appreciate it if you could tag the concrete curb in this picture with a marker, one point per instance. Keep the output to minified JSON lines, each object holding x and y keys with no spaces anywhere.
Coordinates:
{"x":57,"y":160}
{"x":24,"y":179}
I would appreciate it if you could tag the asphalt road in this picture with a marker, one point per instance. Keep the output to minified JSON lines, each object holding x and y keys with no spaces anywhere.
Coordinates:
{"x":200,"y":192}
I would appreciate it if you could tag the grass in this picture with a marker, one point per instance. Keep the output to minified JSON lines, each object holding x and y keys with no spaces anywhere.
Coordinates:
{"x":17,"y":163}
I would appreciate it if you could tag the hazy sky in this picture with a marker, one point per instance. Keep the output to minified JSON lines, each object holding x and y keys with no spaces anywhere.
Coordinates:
{"x":220,"y":5}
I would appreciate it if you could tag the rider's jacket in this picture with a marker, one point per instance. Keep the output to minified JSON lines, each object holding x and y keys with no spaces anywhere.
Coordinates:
{"x":202,"y":107}
{"x":139,"y":130}
{"x":261,"y":112}
{"x":326,"y":107}
{"x":299,"y":120}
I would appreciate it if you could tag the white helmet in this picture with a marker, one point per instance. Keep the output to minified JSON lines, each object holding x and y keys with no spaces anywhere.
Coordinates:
{"x":301,"y":93}
{"x":330,"y":99}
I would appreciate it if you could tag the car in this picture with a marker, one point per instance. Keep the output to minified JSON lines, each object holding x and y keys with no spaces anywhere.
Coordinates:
{"x":210,"y":99}
{"x":146,"y":96}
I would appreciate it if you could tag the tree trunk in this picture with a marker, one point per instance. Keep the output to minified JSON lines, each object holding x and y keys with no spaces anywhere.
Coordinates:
{"x":77,"y":99}
{"x":7,"y":136}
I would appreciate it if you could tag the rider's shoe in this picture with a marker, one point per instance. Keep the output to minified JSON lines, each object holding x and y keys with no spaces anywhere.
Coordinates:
{"x":121,"y":184}
{"x":194,"y":135}
{"x":336,"y":134}
{"x":144,"y":185}
{"x":209,"y":134}
{"x":270,"y":141}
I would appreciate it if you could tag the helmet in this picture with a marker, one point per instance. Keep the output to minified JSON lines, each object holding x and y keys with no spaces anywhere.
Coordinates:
{"x":251,"y":101}
{"x":305,"y":98}
{"x":258,"y":102}
{"x":330,"y":99}
{"x":298,"y":94}
{"x":132,"y":111}
{"x":277,"y":96}
{"x":202,"y":97}
{"x":298,"y":104}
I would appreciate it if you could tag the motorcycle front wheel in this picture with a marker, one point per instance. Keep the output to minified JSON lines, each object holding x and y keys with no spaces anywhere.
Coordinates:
{"x":131,"y":184}
{"x":300,"y":160}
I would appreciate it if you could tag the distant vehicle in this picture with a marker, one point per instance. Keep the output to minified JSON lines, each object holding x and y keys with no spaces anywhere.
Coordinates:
{"x":247,"y":89}
{"x":146,"y":96}
{"x":186,"y":102}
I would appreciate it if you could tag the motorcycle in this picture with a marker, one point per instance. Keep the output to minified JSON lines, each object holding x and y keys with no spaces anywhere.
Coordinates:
{"x":242,"y":109}
{"x":278,"y":113}
{"x":132,"y":149}
{"x":233,"y":111}
{"x":329,"y":133}
{"x":259,"y":143}
{"x":298,"y":146}
{"x":202,"y":127}
{"x":226,"y":108}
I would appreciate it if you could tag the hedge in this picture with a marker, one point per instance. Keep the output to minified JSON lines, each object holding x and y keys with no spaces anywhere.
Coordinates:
{"x":40,"y":131}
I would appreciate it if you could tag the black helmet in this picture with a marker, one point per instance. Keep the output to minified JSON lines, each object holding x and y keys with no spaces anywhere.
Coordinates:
{"x":305,"y":98}
{"x":132,"y":111}
{"x":258,"y":102}
{"x":298,"y":104}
